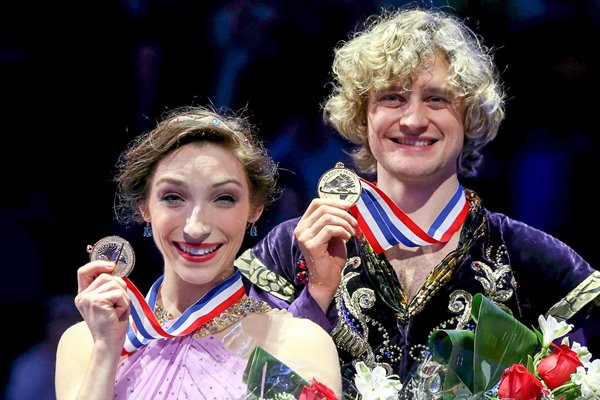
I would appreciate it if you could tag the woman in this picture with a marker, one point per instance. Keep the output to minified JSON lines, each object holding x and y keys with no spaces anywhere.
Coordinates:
{"x":197,"y":181}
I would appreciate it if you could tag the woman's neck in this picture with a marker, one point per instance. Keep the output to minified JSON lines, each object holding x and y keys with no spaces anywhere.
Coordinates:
{"x":176,"y":295}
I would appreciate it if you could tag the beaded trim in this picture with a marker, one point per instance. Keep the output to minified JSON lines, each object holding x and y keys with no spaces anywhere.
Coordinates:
{"x":162,"y":315}
{"x":239,"y":310}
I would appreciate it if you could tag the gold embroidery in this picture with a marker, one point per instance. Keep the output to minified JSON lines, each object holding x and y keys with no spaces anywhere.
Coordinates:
{"x":460,"y":303}
{"x":350,"y":314}
{"x":353,"y":329}
{"x":586,"y":292}
{"x":253,"y":269}
{"x":494,"y":277}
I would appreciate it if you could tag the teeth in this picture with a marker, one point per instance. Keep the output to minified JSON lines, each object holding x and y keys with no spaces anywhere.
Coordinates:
{"x":416,"y":143}
{"x":199,"y":251}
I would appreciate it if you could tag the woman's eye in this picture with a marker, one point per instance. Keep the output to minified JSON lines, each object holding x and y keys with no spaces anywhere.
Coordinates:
{"x":226,"y":200}
{"x":171,"y":198}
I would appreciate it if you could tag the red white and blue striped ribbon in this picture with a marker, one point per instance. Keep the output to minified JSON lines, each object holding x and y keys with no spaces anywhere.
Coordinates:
{"x":143,"y":325}
{"x":385,"y":225}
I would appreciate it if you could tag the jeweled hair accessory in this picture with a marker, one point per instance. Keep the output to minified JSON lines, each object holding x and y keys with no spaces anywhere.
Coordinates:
{"x":213,"y":121}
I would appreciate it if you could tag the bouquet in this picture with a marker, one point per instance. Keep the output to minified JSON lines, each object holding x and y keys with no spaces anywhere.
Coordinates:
{"x":504,"y":360}
{"x":268,"y":378}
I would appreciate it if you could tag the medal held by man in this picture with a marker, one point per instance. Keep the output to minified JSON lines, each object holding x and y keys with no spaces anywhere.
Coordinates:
{"x":340,"y":183}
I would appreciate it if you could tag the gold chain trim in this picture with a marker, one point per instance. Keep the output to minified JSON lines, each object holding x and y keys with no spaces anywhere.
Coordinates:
{"x":240,"y":309}
{"x":162,"y":315}
{"x":243,"y":307}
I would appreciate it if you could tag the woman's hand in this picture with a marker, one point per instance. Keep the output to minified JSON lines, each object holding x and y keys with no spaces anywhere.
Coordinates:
{"x":322,"y":233}
{"x":103,"y":302}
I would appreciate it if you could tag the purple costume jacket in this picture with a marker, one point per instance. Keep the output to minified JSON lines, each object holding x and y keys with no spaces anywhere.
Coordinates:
{"x":519,"y":268}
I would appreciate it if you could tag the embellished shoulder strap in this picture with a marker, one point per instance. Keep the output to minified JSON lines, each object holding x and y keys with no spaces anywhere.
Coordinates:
{"x":586,"y":292}
{"x":264,"y":278}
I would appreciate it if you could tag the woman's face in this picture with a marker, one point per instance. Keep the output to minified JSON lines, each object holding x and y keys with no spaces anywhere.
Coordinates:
{"x":199,"y":206}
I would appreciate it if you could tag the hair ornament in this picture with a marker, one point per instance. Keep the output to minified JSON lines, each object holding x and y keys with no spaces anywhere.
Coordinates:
{"x":213,"y":121}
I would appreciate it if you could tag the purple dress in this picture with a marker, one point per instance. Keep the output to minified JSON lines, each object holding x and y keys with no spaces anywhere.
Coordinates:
{"x":181,"y":368}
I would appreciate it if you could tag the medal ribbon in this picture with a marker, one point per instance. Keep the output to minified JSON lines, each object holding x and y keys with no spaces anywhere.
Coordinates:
{"x":386,"y":225}
{"x":143,"y":325}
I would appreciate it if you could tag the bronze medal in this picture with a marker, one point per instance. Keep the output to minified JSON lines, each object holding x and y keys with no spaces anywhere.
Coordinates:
{"x":340,"y":183}
{"x":116,"y":249}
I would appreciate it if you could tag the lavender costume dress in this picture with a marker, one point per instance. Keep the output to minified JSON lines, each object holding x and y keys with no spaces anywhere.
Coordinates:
{"x":212,"y":366}
{"x":181,"y":368}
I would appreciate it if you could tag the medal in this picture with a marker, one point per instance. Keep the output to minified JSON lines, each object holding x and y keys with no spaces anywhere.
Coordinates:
{"x":115,"y":249}
{"x":340,"y":183}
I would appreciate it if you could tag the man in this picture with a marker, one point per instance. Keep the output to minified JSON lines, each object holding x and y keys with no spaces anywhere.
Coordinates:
{"x":419,"y":95}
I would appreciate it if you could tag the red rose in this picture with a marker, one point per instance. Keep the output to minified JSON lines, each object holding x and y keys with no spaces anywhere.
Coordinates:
{"x":317,"y":391}
{"x":557,"y":368}
{"x":519,"y":384}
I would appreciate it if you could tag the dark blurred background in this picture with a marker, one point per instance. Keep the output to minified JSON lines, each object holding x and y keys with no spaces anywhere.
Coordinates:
{"x":78,"y":80}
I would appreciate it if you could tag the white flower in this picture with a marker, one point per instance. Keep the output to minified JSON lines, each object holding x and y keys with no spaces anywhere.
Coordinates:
{"x":552,"y":329}
{"x":283,"y":396}
{"x":582,"y":352}
{"x":589,"y":381}
{"x":375,"y":385}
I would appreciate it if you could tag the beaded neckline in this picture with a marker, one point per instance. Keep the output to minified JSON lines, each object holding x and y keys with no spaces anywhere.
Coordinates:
{"x":162,"y":315}
{"x":239,"y":310}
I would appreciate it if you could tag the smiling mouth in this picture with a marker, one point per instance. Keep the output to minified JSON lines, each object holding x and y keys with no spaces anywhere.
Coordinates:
{"x":198,"y":251}
{"x":414,"y":143}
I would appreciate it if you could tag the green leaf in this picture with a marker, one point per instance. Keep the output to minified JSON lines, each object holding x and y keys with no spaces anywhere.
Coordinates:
{"x":478,"y":359}
{"x":500,"y":340}
{"x":530,"y":367}
{"x":454,"y":347}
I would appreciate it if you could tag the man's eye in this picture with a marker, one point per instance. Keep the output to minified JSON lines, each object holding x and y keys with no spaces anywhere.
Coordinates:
{"x":390,"y":100}
{"x":438,"y":102}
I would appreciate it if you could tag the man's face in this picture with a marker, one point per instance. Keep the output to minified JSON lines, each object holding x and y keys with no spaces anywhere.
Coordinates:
{"x":416,"y":130}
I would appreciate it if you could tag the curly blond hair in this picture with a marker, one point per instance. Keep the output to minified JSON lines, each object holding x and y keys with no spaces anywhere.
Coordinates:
{"x":395,"y":45}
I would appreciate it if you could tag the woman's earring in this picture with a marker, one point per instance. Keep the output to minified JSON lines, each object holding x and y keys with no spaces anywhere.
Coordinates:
{"x":253,"y":230}
{"x":147,"y":230}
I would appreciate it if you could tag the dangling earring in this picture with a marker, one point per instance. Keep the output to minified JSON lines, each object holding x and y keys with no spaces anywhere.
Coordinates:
{"x":147,"y":230}
{"x":253,"y":230}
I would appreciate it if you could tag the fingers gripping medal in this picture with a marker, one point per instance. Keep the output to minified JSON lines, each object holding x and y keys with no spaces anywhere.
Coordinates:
{"x":115,"y":249}
{"x":340,"y":183}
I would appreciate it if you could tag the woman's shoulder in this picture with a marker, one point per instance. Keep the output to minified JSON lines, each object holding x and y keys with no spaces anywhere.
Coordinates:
{"x":280,"y":326}
{"x":289,"y":321}
{"x":72,"y":359}
{"x":288,"y":330}
{"x":301,"y":344}
{"x":76,"y":342}
{"x":77,"y":333}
